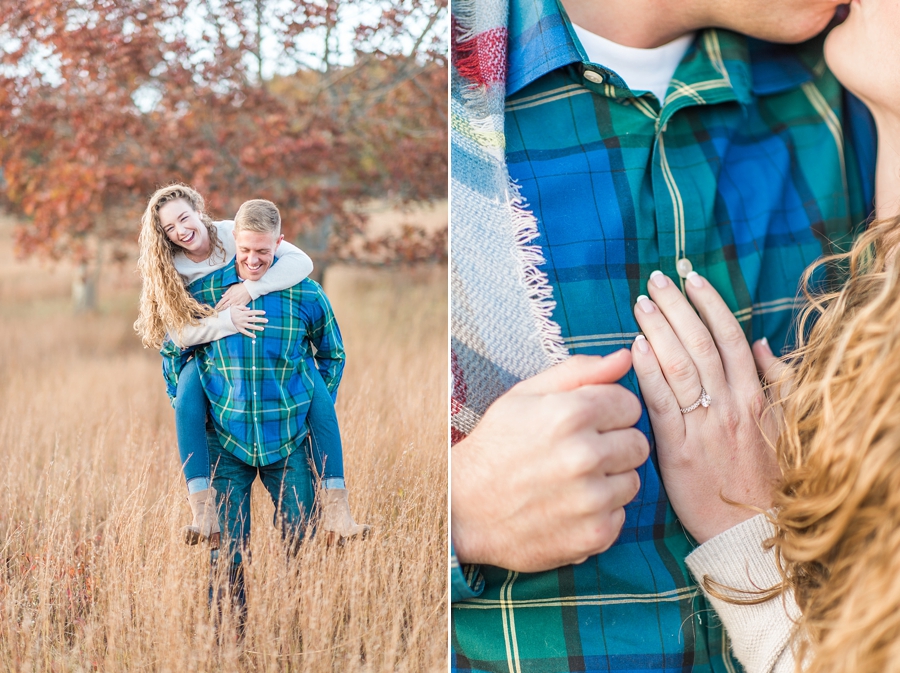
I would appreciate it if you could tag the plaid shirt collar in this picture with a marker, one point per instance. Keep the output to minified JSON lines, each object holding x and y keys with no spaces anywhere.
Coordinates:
{"x":228,"y":275}
{"x":541,"y":40}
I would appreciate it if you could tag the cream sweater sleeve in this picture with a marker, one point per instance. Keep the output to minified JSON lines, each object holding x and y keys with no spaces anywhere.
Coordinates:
{"x":210,"y":329}
{"x":760,"y":634}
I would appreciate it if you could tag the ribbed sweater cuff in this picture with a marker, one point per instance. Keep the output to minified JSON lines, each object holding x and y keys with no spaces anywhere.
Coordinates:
{"x":736,"y":559}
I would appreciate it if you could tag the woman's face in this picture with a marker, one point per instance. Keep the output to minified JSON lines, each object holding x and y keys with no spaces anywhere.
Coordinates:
{"x":864,"y":53}
{"x":183,"y":226}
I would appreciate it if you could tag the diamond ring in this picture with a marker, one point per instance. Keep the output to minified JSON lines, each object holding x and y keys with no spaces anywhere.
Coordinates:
{"x":702,"y":401}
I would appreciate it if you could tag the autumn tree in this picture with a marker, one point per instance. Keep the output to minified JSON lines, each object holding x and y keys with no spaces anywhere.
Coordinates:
{"x":315,"y":105}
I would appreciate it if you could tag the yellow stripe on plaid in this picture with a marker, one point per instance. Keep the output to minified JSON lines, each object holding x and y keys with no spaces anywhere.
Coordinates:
{"x":509,"y":623}
{"x":547,"y":97}
{"x":506,"y":603}
{"x":831,"y":121}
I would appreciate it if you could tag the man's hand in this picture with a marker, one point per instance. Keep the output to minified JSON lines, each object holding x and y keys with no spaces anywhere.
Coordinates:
{"x":543,"y":479}
{"x":236,"y":295}
{"x":713,"y":452}
{"x":246,"y":319}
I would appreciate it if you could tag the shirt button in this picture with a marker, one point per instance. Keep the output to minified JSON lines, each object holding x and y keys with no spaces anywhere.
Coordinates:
{"x":254,"y":392}
{"x":253,"y":341}
{"x":684,"y":267}
{"x":253,"y":368}
{"x":594,"y":77}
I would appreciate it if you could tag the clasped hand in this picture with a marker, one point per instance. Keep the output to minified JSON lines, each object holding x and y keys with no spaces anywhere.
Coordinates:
{"x":247,"y":321}
{"x":543,"y":480}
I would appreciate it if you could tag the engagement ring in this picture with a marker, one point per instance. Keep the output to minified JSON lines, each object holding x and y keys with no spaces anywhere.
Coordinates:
{"x":702,"y":401}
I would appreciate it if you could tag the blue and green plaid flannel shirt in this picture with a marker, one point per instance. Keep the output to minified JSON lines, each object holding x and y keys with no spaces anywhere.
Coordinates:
{"x":756,"y":162}
{"x":260,"y":389}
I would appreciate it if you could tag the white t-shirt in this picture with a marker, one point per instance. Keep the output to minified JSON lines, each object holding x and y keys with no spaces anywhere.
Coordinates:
{"x":641,"y":69}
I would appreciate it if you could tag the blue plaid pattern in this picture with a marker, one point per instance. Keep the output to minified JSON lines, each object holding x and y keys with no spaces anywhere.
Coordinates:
{"x":756,"y":162}
{"x":260,"y":389}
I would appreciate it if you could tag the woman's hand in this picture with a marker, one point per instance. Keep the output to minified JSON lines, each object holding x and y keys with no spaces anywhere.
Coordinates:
{"x":246,"y":319}
{"x":236,"y":295}
{"x":712,"y":452}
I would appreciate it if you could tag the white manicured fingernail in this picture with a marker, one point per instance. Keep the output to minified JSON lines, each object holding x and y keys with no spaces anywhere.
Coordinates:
{"x":695,"y":279}
{"x":658,"y":278}
{"x":645,"y":304}
{"x":641,"y":343}
{"x":765,"y":342}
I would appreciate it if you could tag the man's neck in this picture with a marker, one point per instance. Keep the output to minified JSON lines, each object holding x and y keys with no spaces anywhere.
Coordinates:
{"x":643,"y":24}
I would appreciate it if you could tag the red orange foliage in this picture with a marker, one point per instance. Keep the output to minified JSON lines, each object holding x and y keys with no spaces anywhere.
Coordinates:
{"x":102,"y":101}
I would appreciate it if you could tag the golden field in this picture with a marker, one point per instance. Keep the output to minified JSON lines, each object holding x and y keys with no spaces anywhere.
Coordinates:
{"x":94,"y":574}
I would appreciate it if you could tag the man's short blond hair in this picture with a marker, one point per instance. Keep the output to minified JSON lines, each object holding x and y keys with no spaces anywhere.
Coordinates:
{"x":258,"y":215}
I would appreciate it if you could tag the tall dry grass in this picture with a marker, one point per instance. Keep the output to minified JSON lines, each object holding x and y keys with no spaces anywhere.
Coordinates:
{"x":94,"y":575}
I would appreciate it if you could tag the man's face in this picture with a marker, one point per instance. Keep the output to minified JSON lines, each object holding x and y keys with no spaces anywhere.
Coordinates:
{"x":255,"y":253}
{"x":787,"y":21}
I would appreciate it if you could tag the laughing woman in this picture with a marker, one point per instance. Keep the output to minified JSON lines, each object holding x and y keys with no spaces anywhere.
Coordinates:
{"x":180,"y":244}
{"x":814,"y":584}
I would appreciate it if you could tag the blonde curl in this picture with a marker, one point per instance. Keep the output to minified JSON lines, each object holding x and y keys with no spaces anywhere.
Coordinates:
{"x":837,"y":507}
{"x":166,"y":306}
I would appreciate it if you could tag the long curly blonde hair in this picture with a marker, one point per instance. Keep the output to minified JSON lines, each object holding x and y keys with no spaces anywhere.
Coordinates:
{"x":837,"y":515}
{"x":166,"y":305}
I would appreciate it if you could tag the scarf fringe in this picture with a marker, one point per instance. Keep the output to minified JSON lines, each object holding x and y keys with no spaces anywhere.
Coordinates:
{"x":463,"y":20}
{"x":539,"y":291}
{"x":466,"y":60}
{"x":477,"y":103}
{"x":475,"y":99}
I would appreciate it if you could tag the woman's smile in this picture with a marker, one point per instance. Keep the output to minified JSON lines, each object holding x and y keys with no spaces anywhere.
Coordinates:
{"x":183,"y":226}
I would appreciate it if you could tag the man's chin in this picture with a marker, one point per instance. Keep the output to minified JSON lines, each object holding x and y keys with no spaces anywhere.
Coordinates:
{"x":797,"y":32}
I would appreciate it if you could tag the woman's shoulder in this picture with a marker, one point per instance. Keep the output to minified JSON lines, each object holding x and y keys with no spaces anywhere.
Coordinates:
{"x":225,"y":231}
{"x":224,"y":226}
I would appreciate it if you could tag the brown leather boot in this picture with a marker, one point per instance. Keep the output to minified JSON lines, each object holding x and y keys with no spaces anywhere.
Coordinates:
{"x":206,"y":522}
{"x":336,"y":520}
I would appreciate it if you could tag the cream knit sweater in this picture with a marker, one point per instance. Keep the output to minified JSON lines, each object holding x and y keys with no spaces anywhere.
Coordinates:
{"x":760,"y":634}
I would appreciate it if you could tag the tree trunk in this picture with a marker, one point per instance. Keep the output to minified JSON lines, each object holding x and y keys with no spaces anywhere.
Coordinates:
{"x":84,"y":289}
{"x":314,"y":242}
{"x":318,"y":272}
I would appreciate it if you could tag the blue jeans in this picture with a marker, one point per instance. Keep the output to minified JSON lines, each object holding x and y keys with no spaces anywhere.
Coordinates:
{"x":190,"y":422}
{"x":324,"y":434}
{"x":290,"y":483}
{"x":190,"y":427}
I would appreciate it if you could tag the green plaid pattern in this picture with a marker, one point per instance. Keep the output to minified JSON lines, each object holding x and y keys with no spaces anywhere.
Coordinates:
{"x":260,"y":389}
{"x":756,"y":162}
{"x":748,"y":188}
